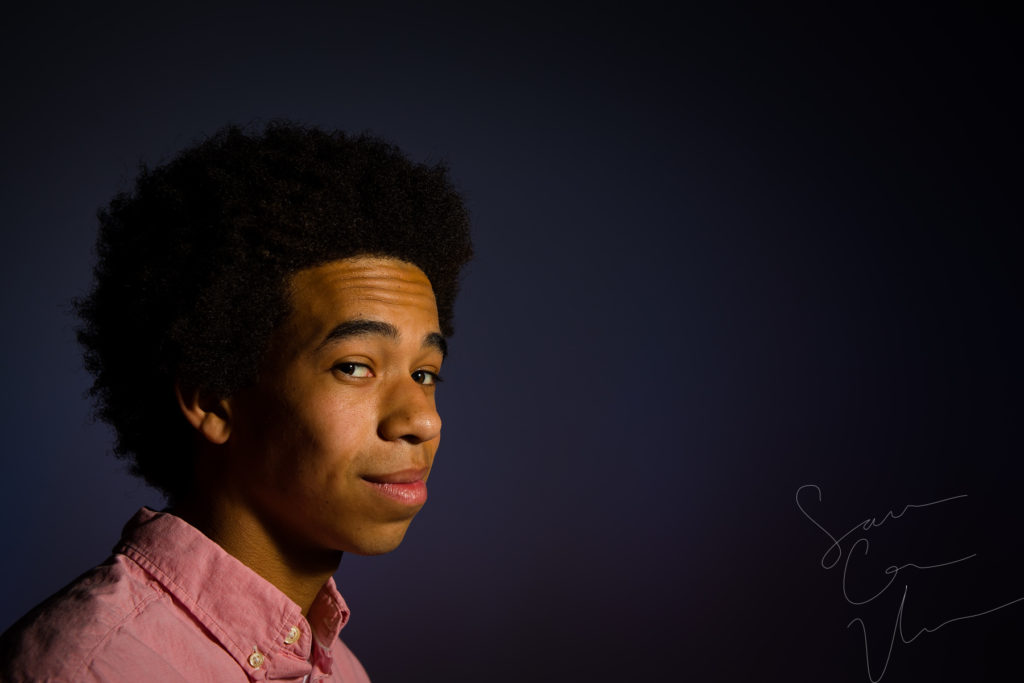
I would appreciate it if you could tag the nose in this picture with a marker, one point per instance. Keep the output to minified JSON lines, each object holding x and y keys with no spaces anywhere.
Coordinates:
{"x":408,"y":413}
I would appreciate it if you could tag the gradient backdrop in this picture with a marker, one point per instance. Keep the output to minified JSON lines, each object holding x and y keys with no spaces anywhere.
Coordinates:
{"x":723,"y":253}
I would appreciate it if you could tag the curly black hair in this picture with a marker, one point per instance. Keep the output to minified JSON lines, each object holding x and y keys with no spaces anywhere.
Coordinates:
{"x":194,"y":263}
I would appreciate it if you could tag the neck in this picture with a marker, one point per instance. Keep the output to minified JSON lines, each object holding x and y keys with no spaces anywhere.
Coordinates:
{"x":298,"y":572}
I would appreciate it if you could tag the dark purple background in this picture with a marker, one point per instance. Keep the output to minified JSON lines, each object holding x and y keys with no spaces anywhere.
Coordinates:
{"x":722,"y":253}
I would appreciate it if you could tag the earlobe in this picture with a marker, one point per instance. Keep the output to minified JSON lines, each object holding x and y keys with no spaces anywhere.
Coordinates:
{"x":210,"y":416}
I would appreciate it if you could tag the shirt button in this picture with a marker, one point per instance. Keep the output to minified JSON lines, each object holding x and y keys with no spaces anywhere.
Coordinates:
{"x":293,"y":635}
{"x":256,"y":659}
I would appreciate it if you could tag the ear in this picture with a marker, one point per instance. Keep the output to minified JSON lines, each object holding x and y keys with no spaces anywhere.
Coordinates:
{"x":209,"y":415}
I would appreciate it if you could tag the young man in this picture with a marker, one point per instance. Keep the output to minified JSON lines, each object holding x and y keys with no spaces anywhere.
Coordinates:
{"x":266,"y":333}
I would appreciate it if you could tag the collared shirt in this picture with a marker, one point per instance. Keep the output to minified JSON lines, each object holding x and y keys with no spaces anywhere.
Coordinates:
{"x":172,"y":605}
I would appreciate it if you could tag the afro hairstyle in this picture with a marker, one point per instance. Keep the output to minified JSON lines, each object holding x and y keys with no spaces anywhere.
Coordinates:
{"x":194,"y":263}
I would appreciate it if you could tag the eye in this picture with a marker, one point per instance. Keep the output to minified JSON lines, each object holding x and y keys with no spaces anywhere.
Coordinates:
{"x":353,"y":369}
{"x":426,"y":377}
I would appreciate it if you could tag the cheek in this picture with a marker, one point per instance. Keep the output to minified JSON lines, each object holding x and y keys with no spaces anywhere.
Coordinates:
{"x":334,"y":433}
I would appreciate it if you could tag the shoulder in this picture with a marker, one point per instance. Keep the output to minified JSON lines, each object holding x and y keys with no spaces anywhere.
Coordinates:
{"x":112,"y":623}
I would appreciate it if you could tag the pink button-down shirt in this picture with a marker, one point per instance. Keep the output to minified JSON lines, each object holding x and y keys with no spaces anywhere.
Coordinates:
{"x":172,"y":605}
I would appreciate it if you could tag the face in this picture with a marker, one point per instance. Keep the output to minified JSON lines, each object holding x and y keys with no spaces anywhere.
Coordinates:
{"x":333,"y":446}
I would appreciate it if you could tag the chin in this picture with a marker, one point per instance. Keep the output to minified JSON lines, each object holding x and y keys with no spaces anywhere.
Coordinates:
{"x":378,"y":544}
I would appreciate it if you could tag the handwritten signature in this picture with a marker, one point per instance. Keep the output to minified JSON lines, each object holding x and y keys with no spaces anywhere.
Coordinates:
{"x":834,"y":553}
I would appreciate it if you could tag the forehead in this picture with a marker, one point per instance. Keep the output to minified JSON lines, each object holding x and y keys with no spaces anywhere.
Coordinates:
{"x":361,"y":287}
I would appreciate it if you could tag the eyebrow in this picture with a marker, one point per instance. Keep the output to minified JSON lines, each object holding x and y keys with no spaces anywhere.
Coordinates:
{"x":436,"y":341}
{"x":363,"y":328}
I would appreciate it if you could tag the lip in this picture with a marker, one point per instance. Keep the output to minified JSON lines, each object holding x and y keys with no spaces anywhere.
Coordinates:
{"x":406,"y":486}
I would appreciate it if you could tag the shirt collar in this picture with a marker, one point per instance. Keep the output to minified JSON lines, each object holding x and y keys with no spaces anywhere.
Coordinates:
{"x":257,"y":624}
